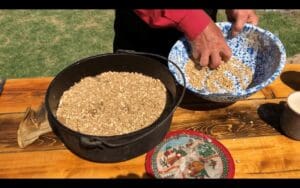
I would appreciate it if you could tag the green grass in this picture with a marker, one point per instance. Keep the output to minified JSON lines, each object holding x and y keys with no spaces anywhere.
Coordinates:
{"x":42,"y":42}
{"x":285,"y":25}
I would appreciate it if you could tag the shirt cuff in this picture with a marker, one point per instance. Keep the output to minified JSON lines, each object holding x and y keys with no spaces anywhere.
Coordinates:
{"x":193,"y":23}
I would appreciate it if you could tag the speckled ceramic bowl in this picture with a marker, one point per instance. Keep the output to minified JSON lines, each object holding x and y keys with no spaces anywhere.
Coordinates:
{"x":259,"y":49}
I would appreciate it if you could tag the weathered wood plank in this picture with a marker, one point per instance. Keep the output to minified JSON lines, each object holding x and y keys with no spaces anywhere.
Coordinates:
{"x":259,"y":157}
{"x":63,"y":163}
{"x":242,"y":119}
{"x":9,"y":124}
{"x":18,"y":94}
{"x":250,"y":118}
{"x":265,"y":157}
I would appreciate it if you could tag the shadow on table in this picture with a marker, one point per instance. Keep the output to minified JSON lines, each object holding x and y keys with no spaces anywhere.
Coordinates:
{"x":191,"y":101}
{"x":134,"y":176}
{"x":270,"y":113}
{"x":292,"y":79}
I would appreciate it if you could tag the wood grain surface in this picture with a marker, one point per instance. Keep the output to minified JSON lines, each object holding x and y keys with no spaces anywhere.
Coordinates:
{"x":248,"y":128}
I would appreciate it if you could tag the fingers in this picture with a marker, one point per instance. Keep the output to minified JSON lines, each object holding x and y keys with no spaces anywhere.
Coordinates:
{"x":204,"y":59}
{"x":210,"y":47}
{"x":226,"y":53}
{"x":239,"y":18}
{"x":215,"y":60}
{"x":217,"y":57}
{"x":253,"y":19}
{"x":195,"y":54}
{"x":212,"y":58}
{"x":238,"y":25}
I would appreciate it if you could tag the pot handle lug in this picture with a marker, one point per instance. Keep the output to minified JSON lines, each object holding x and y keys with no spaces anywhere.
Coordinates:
{"x":91,"y":143}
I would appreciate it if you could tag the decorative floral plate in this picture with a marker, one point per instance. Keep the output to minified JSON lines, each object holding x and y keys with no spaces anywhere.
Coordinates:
{"x":189,"y":154}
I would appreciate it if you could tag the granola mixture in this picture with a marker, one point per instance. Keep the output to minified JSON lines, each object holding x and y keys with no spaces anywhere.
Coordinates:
{"x":217,"y":80}
{"x":112,"y":103}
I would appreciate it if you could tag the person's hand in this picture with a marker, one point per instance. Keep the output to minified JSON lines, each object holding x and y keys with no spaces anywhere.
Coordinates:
{"x":210,"y":47}
{"x":239,"y":18}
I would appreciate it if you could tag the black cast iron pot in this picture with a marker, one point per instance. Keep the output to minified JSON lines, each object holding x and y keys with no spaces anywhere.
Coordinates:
{"x":120,"y":147}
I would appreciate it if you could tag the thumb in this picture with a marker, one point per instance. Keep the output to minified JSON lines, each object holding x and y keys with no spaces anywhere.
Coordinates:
{"x":238,"y":26}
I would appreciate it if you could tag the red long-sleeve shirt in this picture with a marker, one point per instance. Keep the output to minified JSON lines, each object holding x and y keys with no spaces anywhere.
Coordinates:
{"x":191,"y":22}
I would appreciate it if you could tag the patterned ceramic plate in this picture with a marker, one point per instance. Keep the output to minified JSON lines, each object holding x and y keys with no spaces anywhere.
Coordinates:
{"x":189,"y":154}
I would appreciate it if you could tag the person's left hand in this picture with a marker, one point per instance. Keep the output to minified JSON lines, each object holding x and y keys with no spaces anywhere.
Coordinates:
{"x":239,"y":17}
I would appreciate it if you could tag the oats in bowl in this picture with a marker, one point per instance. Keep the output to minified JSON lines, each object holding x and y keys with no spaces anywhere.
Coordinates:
{"x":228,"y":77}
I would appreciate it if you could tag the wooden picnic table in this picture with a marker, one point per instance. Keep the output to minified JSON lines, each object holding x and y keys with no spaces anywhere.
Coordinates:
{"x":248,"y":128}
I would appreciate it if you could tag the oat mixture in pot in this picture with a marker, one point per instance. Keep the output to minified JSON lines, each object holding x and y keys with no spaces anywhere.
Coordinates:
{"x":112,"y":103}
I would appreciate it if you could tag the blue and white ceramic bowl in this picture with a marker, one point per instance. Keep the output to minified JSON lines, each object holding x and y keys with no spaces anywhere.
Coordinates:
{"x":259,"y":49}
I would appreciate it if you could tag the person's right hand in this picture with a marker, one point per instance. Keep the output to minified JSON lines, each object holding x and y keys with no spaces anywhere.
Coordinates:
{"x":210,"y":47}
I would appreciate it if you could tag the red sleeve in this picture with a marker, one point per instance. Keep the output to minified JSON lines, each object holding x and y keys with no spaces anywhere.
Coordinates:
{"x":191,"y":22}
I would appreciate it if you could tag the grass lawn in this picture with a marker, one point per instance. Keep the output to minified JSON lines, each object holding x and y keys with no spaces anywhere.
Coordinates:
{"x":42,"y":42}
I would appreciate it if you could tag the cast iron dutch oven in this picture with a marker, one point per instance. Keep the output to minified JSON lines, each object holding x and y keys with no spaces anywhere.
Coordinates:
{"x":120,"y":147}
